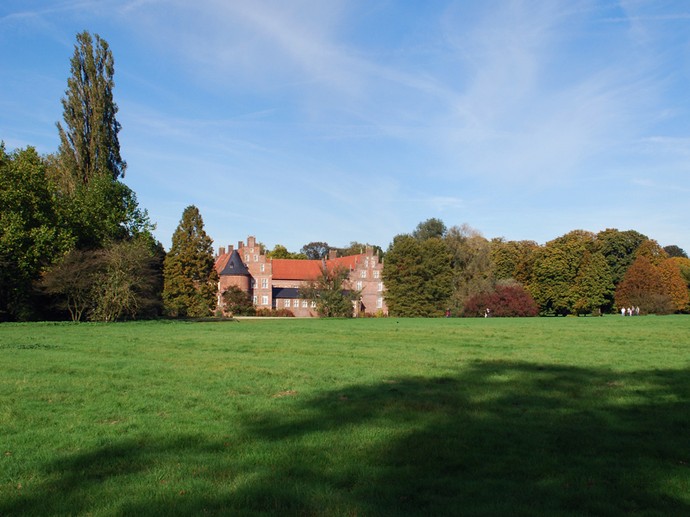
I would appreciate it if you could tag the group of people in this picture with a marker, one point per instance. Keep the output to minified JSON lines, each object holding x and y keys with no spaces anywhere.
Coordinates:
{"x":630,"y":311}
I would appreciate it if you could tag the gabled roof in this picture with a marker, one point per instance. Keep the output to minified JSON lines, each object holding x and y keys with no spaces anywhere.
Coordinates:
{"x":296,"y":269}
{"x":231,"y":264}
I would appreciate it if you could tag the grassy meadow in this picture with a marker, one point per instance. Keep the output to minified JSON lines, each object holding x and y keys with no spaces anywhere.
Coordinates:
{"x":540,"y":416}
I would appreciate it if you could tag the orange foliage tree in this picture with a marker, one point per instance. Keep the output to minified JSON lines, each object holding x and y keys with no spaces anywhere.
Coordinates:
{"x":643,"y":286}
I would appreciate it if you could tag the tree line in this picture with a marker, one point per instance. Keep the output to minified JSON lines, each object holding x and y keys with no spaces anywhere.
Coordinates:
{"x":75,"y":244}
{"x":437,"y":270}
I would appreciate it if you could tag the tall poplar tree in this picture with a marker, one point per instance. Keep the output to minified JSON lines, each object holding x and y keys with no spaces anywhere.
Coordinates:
{"x":93,"y":203}
{"x":189,"y":277}
{"x":89,"y":144}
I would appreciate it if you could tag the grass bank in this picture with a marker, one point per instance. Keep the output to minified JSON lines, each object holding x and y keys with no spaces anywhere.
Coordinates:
{"x":495,"y":416}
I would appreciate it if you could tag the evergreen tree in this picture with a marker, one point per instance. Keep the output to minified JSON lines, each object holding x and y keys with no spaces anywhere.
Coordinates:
{"x":190,"y":280}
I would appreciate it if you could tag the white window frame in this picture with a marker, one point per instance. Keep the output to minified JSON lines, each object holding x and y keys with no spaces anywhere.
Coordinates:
{"x":286,"y":304}
{"x":376,"y":273}
{"x":264,"y":300}
{"x":264,"y":283}
{"x":363,"y":273}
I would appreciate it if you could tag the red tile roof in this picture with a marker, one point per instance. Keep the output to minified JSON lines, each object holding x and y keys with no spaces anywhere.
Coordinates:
{"x":295,"y":269}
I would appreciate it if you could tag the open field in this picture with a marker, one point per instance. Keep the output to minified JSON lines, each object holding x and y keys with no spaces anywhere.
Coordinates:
{"x":548,"y":416}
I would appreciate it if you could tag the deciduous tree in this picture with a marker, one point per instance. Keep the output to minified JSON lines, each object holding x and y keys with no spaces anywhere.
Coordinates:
{"x":89,"y":144}
{"x":31,"y":235}
{"x":331,"y":292}
{"x":505,"y":300}
{"x":643,"y":286}
{"x":592,"y":291}
{"x":418,"y":276}
{"x":471,"y":264}
{"x":316,"y":250}
{"x":431,"y":228}
{"x":619,"y":247}
{"x":675,"y":285}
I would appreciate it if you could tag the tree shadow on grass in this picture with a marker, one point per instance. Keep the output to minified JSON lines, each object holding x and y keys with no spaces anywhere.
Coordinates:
{"x":495,"y":438}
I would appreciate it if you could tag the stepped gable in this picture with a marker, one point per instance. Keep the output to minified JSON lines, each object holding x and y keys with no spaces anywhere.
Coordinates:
{"x":230,"y":264}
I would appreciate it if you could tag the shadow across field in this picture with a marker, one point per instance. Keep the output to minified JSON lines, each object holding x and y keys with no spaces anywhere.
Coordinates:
{"x":494,"y":438}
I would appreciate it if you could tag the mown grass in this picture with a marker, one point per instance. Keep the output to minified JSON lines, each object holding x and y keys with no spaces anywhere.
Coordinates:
{"x":560,"y":416}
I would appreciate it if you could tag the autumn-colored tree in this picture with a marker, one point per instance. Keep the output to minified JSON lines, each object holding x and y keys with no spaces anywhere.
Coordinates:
{"x":190,"y":279}
{"x":651,"y":249}
{"x":592,"y":291}
{"x":513,"y":259}
{"x":684,"y":267}
{"x":506,"y":300}
{"x":471,"y":264}
{"x":555,"y":271}
{"x":643,"y":286}
{"x":675,"y":284}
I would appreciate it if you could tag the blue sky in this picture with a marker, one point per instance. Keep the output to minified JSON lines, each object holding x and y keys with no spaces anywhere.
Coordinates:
{"x":338,"y":121}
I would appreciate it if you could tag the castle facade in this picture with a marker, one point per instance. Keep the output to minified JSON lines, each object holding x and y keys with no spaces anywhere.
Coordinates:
{"x":275,"y":283}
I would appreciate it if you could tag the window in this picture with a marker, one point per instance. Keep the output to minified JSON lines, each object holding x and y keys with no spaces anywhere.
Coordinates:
{"x":253,"y":283}
{"x":380,"y":286}
{"x":359,"y":285}
{"x":264,"y":300}
{"x":313,"y":304}
{"x":363,"y":273}
{"x":264,"y":283}
{"x":263,"y":268}
{"x":256,"y":258}
{"x":286,"y":303}
{"x":305,"y":304}
{"x":296,"y":304}
{"x":246,"y":258}
{"x":376,"y":273}
{"x":379,"y":303}
{"x":255,"y":300}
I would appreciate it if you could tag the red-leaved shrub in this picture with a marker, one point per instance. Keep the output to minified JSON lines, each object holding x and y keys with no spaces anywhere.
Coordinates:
{"x":504,"y":300}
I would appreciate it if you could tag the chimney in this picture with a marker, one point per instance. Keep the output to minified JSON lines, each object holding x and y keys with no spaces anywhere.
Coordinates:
{"x":221,"y":251}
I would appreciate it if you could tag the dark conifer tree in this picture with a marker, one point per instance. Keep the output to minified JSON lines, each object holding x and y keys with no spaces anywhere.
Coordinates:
{"x":189,"y":277}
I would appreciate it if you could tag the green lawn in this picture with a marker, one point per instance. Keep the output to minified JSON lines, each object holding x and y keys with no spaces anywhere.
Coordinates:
{"x":548,"y":416}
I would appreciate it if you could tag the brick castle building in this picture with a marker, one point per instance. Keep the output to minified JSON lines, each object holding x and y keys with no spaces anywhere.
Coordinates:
{"x":275,"y":283}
